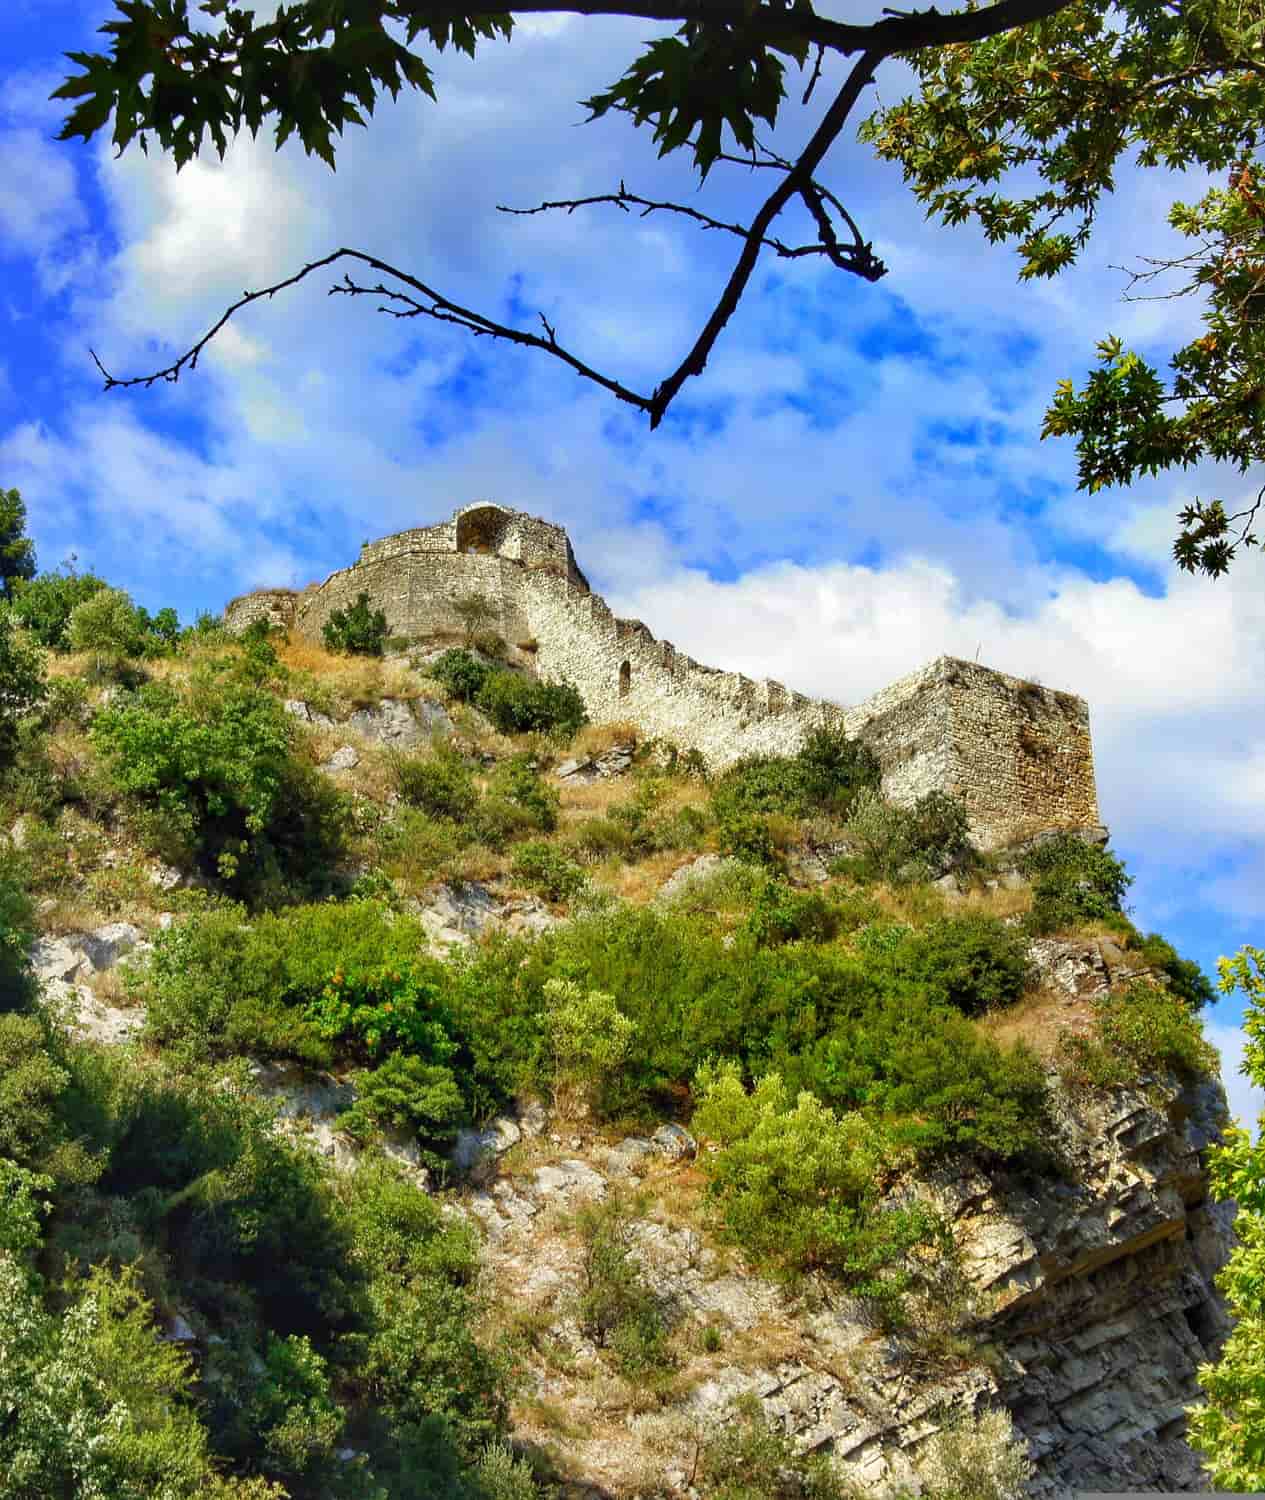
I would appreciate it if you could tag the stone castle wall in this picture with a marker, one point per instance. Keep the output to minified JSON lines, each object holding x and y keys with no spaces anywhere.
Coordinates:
{"x":1017,"y":754}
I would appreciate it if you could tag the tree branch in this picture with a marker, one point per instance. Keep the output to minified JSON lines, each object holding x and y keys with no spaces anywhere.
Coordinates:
{"x":895,"y":33}
{"x":797,"y":180}
{"x":441,"y":308}
{"x":857,"y":257}
{"x":906,"y":32}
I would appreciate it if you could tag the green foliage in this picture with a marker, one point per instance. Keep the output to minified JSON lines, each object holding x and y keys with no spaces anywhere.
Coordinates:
{"x":944,"y":1088}
{"x":1179,"y":88}
{"x":1073,"y":882}
{"x":292,"y":1412}
{"x":746,"y":1457}
{"x":249,"y":78}
{"x":615,"y":1307}
{"x":475,"y":611}
{"x":217,"y":985}
{"x":408,"y":1094}
{"x":517,"y":781}
{"x":22,"y":683}
{"x":521,"y":705}
{"x":973,"y":962}
{"x":589,"y":1036}
{"x":94,"y":1403}
{"x":1137,"y":1031}
{"x":462,"y":674}
{"x":212,"y":765}
{"x":106,"y":624}
{"x":442,"y":785}
{"x":904,"y":843}
{"x":544,"y":868}
{"x":31,"y":1084}
{"x":823,"y":776}
{"x":798,"y":1186}
{"x":382,"y":1010}
{"x":1229,"y":1428}
{"x":44,"y":604}
{"x":356,"y":630}
{"x":17,"y":550}
{"x":783,"y":915}
{"x":975,"y":1457}
{"x":1186,"y":979}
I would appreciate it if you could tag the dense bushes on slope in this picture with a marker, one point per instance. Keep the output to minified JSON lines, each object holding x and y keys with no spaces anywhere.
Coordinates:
{"x":212,"y":769}
{"x":514,"y":703}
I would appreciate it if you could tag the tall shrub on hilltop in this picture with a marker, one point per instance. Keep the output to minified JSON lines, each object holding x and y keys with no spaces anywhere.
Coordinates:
{"x":356,"y":630}
{"x":44,"y":604}
{"x":22,"y":684}
{"x":17,"y":550}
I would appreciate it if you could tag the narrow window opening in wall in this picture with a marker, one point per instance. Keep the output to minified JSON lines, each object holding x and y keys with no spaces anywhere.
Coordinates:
{"x":625,"y":679}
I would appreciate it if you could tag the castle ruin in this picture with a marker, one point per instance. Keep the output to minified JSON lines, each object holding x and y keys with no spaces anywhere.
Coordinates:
{"x":1017,"y":754}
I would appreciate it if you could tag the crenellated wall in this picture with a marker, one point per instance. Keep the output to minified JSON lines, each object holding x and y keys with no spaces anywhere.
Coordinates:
{"x":1017,"y":754}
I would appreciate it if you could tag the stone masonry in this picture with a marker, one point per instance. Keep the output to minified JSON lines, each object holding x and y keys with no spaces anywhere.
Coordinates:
{"x":1016,"y":753}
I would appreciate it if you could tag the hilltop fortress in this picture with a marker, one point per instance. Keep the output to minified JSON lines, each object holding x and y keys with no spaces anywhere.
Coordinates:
{"x":1016,"y":753}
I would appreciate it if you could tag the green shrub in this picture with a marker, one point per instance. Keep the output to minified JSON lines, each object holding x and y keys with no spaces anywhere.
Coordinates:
{"x":213,"y":767}
{"x":291,"y":1412}
{"x":95,"y":1402}
{"x":798,"y":1186}
{"x":22,"y":684}
{"x":1073,"y":882}
{"x":943,"y":1088}
{"x":973,"y":962}
{"x":1186,"y":979}
{"x":407,"y":1093}
{"x":107,"y":625}
{"x":903,"y":843}
{"x":383,"y":1010}
{"x":17,"y":933}
{"x":599,"y":838}
{"x":745,"y":835}
{"x":835,"y":768}
{"x":44,"y":604}
{"x":517,"y":781}
{"x":747,"y":1457}
{"x":615,"y":1307}
{"x":462,"y":674}
{"x":476,"y":611}
{"x":589,"y":1036}
{"x":1138,"y":1030}
{"x":521,"y":705}
{"x":31,"y":1084}
{"x":356,"y":630}
{"x":441,"y":785}
{"x":824,"y":776}
{"x":217,"y":985}
{"x":783,"y":915}
{"x":545,"y":869}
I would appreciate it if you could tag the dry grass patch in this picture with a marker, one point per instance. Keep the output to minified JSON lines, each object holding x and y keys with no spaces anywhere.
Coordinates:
{"x":638,"y":883}
{"x":1038,"y":1019}
{"x":596,"y":739}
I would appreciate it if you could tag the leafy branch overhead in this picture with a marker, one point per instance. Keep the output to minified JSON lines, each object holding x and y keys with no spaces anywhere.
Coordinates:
{"x":1024,"y":112}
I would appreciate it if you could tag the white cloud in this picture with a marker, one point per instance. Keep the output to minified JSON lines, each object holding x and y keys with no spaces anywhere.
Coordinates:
{"x":1246,"y":1098}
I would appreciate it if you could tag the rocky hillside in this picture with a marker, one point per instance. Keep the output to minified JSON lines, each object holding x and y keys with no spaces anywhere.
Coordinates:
{"x":478,"y":1103}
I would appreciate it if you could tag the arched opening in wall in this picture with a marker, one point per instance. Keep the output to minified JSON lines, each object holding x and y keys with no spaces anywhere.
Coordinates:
{"x":483,"y":530}
{"x":625,"y":679}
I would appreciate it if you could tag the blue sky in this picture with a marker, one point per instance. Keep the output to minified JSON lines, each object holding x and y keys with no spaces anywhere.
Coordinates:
{"x":855,"y":486}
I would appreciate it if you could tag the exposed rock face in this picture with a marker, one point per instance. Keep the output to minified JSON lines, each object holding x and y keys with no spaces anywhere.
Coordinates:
{"x":462,"y":910}
{"x":62,"y":964}
{"x":1094,"y":1301}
